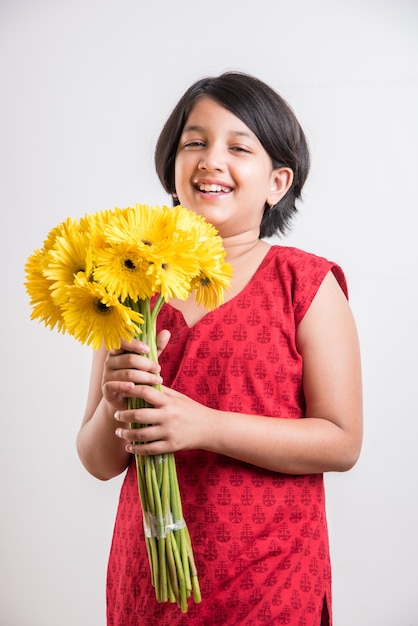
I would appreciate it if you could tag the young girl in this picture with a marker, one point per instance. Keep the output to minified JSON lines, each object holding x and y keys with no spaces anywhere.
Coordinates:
{"x":260,"y":396}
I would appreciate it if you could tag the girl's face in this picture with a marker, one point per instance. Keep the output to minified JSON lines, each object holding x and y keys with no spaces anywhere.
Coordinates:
{"x":222,"y":171}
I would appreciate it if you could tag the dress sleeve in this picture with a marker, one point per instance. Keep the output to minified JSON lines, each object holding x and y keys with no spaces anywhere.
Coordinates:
{"x":309,"y":272}
{"x":340,"y":277}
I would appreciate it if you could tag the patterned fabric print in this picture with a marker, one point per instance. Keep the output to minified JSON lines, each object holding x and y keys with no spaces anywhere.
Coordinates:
{"x":259,"y":537}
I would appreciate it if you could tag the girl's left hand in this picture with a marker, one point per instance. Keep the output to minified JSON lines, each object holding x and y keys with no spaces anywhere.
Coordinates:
{"x":174,"y":422}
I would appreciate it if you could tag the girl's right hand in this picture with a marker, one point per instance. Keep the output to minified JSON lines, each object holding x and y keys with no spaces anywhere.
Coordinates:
{"x":129,"y":366}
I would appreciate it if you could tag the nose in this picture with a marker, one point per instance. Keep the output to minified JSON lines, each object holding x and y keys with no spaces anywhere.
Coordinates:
{"x":212,"y":159}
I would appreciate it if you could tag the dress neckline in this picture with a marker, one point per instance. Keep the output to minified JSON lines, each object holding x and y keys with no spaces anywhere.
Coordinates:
{"x":253,"y":277}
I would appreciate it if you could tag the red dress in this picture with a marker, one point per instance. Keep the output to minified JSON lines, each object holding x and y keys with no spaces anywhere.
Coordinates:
{"x":259,"y":537}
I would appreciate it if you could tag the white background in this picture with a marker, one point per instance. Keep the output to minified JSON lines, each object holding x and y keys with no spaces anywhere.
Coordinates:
{"x":85,"y":88}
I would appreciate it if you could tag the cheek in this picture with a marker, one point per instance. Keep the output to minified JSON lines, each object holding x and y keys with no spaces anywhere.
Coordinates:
{"x":182,"y":188}
{"x":179,"y":173}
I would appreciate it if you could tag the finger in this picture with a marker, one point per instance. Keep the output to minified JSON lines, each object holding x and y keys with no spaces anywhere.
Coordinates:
{"x":139,"y":417}
{"x":117,"y":393}
{"x":163,"y":338}
{"x":151,"y":394}
{"x":129,"y":360}
{"x":139,"y":377}
{"x":150,"y":448}
{"x":120,"y":390}
{"x":145,"y":434}
{"x":136,"y":345}
{"x":115,"y":352}
{"x":143,"y":441}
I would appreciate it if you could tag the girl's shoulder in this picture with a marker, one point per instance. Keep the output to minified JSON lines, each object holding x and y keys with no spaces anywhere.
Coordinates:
{"x":297,"y":265}
{"x":296,"y":275}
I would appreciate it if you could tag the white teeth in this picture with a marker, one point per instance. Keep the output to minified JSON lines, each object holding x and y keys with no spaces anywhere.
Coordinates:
{"x":212,"y":188}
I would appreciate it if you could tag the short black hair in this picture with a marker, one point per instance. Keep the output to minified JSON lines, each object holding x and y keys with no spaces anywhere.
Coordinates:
{"x":269,"y":117}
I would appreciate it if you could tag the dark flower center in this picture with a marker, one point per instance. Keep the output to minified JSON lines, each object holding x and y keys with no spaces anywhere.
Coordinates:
{"x":129,"y":264}
{"x":102,"y":308}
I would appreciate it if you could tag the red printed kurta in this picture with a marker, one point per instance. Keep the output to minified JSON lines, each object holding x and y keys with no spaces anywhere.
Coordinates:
{"x":259,"y":537}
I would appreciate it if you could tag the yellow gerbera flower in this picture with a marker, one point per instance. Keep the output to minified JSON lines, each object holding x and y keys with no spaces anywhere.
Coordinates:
{"x":93,"y":316}
{"x":209,"y":288}
{"x":70,"y":255}
{"x":141,"y":224}
{"x":38,"y":288}
{"x":172,"y":268}
{"x":59,"y":230}
{"x":96,"y":224}
{"x":182,"y":261}
{"x":122,"y":269}
{"x":187,"y":221}
{"x":214,"y":273}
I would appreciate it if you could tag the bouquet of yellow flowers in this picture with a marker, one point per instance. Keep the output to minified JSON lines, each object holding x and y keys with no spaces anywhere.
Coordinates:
{"x":103,"y":278}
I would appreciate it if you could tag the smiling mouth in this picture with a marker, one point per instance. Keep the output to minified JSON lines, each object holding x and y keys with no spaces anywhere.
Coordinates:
{"x":212,"y":188}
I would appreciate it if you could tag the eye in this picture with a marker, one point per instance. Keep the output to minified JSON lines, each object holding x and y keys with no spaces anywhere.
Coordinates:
{"x":194,"y":143}
{"x":239,"y":149}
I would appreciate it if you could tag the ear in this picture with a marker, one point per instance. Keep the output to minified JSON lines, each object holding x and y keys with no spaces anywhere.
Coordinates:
{"x":281,"y":181}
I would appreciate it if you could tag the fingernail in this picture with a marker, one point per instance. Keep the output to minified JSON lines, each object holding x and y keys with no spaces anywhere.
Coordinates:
{"x":117,"y":416}
{"x":118,"y":432}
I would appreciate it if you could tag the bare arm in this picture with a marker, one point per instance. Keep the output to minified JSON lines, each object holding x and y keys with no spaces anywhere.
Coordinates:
{"x":330,"y":436}
{"x":327,"y":439}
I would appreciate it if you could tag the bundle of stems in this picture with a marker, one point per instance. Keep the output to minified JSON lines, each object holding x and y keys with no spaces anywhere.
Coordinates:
{"x":173,"y":570}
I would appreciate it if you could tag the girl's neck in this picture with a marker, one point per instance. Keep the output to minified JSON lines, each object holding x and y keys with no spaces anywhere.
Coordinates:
{"x":240,"y":248}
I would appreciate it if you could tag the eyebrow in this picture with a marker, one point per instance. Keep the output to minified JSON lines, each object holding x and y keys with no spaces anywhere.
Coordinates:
{"x":201,"y":129}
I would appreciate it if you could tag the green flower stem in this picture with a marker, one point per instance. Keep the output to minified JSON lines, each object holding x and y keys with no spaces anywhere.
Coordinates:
{"x":178,"y":515}
{"x":159,"y":463}
{"x":160,"y":531}
{"x":171,"y":593}
{"x":185,"y":561}
{"x":155,"y":310}
{"x":181,"y":579}
{"x":195,"y":580}
{"x":149,"y":488}
{"x":165,"y":492}
{"x":170,"y":554}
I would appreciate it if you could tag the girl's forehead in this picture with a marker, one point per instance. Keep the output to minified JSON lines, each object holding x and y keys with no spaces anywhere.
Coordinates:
{"x":207,"y":112}
{"x":204,"y":105}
